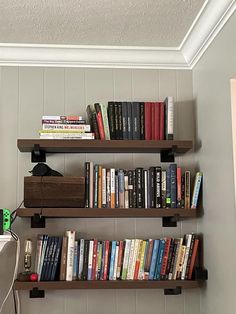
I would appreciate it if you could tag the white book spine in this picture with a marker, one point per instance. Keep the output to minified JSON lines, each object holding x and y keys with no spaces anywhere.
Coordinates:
{"x":112,"y":187}
{"x":136,"y":252}
{"x":126,"y":192}
{"x":45,"y":240}
{"x":170,"y":126}
{"x":184,"y":268}
{"x":116,"y":261}
{"x":196,"y":189}
{"x":126,"y":259}
{"x":91,"y":187}
{"x":81,"y":258}
{"x":90,"y":260}
{"x":145,"y":189}
{"x":104,"y":187}
{"x":70,"y":255}
{"x":65,"y":127}
{"x":108,"y":188}
{"x":131,"y":257}
{"x":38,"y":254}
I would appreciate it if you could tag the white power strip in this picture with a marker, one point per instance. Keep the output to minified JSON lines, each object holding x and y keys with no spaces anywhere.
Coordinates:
{"x":4,"y":239}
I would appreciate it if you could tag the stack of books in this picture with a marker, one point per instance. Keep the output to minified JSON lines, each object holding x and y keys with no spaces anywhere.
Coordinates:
{"x":132,"y":120}
{"x":130,"y":259}
{"x":65,"y":127}
{"x":152,"y":188}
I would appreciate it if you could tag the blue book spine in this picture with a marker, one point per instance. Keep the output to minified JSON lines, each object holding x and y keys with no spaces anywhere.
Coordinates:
{"x":159,"y":260}
{"x":52,"y":251}
{"x":154,"y":259}
{"x":173,"y":185}
{"x":196,"y":190}
{"x":75,"y":264}
{"x":168,"y":184}
{"x":56,"y":258}
{"x":112,"y":261}
{"x":45,"y":260}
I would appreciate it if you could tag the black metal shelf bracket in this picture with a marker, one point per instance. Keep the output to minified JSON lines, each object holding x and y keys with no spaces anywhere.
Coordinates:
{"x":168,"y":155}
{"x":37,"y":154}
{"x":38,"y":221}
{"x":170,"y":221}
{"x":200,"y":273}
{"x":36,"y":293}
{"x":174,"y":291}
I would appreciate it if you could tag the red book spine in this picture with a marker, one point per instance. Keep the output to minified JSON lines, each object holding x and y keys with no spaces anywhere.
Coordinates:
{"x":100,"y":126}
{"x":162,"y":121}
{"x":179,"y":175}
{"x":136,"y":271}
{"x":153,"y":120}
{"x":156,"y":121}
{"x":95,"y":248}
{"x":148,"y":120}
{"x":107,"y":245}
{"x":165,"y":257}
{"x":193,"y":258}
{"x":120,"y":255}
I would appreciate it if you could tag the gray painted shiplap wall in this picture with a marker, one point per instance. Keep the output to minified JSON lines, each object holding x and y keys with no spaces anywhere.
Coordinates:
{"x":211,"y":81}
{"x":26,"y":94}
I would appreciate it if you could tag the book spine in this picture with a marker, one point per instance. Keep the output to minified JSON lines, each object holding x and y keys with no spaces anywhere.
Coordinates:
{"x":47,"y":257}
{"x":95,"y":257}
{"x":75,"y":264}
{"x":145,"y":174}
{"x":153,"y":120}
{"x":131,"y":257}
{"x":169,"y":103}
{"x":158,"y":197}
{"x":38,"y":253}
{"x":139,"y":187}
{"x":193,"y":258}
{"x":157,"y":121}
{"x":136,"y":120}
{"x":106,"y":260}
{"x":104,"y":187}
{"x":85,"y":261}
{"x":183,"y":191}
{"x":90,"y":260}
{"x":116,"y":261}
{"x":138,"y":260}
{"x":179,"y":176}
{"x":120,"y":122}
{"x":99,"y":121}
{"x":154,"y":259}
{"x":87,"y":185}
{"x":130,"y":186}
{"x":196,"y":189}
{"x":169,"y":258}
{"x":70,"y":255}
{"x":113,"y":188}
{"x":148,"y":121}
{"x":125,"y":120}
{"x":173,"y":185}
{"x":160,"y":256}
{"x":181,"y":261}
{"x":99,"y":186}
{"x":162,"y":121}
{"x":91,"y":185}
{"x":45,"y":240}
{"x":129,"y":121}
{"x":120,"y":256}
{"x":163,"y":188}
{"x":165,"y":258}
{"x":121,"y":188}
{"x":142,"y":260}
{"x":135,"y":256}
{"x":134,"y":190}
{"x":111,"y":119}
{"x":117,"y":204}
{"x":148,"y":259}
{"x":187,"y":189}
{"x":117,"y":135}
{"x":99,"y":261}
{"x":172,"y":262}
{"x":63,"y":258}
{"x":112,"y":260}
{"x":105,"y":121}
{"x":126,"y":191}
{"x":65,"y":127}
{"x":190,"y":256}
{"x":96,"y":171}
{"x":126,"y":259}
{"x":81,"y":258}
{"x":142,"y":121}
{"x":178,"y":256}
{"x":56,"y":259}
{"x":95,"y":125}
{"x":108,"y":185}
{"x":152,"y":186}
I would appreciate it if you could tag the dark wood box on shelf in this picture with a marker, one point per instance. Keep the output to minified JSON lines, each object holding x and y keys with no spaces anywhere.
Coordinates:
{"x":49,"y":191}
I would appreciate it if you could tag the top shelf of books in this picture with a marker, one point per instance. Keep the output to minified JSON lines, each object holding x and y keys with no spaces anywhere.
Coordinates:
{"x":104,"y":146}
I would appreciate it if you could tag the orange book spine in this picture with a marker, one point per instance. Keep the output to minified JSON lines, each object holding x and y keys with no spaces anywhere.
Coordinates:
{"x":193,"y":258}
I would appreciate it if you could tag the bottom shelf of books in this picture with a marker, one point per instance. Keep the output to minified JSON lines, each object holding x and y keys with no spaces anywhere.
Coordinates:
{"x":165,"y":263}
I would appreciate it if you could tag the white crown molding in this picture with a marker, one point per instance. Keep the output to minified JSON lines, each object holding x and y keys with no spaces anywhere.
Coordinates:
{"x":210,"y":20}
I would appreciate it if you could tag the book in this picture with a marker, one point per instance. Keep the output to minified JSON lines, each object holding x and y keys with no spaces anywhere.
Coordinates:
{"x":105,"y":121}
{"x":142,"y":121}
{"x":148,"y":121}
{"x":70,"y":254}
{"x":196,"y":189}
{"x":100,"y":121}
{"x":169,"y":116}
{"x":187,"y":188}
{"x":66,"y":127}
{"x":81,"y":258}
{"x":156,"y":121}
{"x":154,"y":259}
{"x":63,"y":258}
{"x":111,"y":119}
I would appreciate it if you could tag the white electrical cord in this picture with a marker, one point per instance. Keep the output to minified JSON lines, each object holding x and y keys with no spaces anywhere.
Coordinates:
{"x":14,"y":274}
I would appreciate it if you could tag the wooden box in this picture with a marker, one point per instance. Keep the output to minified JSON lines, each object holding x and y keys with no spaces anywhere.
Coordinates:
{"x":54,"y":191}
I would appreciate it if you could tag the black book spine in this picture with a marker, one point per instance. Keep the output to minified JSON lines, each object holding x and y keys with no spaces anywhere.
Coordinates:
{"x":95,"y":125}
{"x":85,"y":263}
{"x":116,"y":120}
{"x":182,"y":191}
{"x":87,"y":166}
{"x":142,"y":121}
{"x":125,"y":120}
{"x":129,"y":121}
{"x":136,"y":120}
{"x":173,"y":258}
{"x":120,"y":122}
{"x":111,"y":119}
{"x":158,"y":196}
{"x":56,"y":258}
{"x":134,"y":190}
{"x":90,"y":117}
{"x":152,"y":186}
{"x":140,"y":189}
{"x":45,"y":260}
{"x":131,"y":187}
{"x":109,"y":260}
{"x":51,"y":257}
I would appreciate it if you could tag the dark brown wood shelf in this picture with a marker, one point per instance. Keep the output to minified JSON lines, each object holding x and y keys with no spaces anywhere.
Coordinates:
{"x":98,"y":146}
{"x":107,"y":212}
{"x":113,"y":284}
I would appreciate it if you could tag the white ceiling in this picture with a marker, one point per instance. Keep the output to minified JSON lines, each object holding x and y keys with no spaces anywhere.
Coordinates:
{"x":157,"y":23}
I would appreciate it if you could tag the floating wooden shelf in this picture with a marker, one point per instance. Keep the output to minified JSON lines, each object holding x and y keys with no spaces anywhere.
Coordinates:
{"x":115,"y":284}
{"x":107,"y":212}
{"x":98,"y":146}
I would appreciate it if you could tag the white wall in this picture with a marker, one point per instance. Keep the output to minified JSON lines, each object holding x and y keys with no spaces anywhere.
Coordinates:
{"x":28,"y":93}
{"x":211,"y":81}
